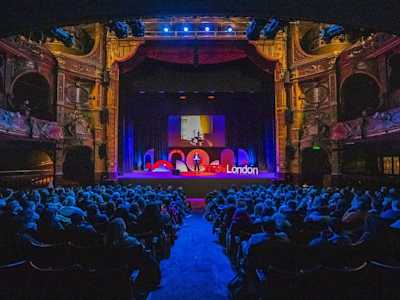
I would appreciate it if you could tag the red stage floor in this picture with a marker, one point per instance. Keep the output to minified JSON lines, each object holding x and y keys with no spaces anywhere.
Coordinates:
{"x":197,"y":185}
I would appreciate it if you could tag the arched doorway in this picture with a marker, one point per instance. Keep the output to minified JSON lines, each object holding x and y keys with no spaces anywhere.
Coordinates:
{"x":315,"y":164}
{"x":359,"y":93}
{"x":32,"y":91}
{"x":78,"y":164}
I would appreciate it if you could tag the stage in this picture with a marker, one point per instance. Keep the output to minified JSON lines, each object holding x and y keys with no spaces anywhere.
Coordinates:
{"x":197,"y":185}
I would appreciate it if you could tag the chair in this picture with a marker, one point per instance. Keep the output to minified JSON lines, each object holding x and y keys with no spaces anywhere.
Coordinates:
{"x":13,"y":281}
{"x":48,"y":255}
{"x":386,"y":280}
{"x":107,"y":284}
{"x":277,"y":284}
{"x":87,"y":257}
{"x":49,"y":283}
{"x":343,"y":283}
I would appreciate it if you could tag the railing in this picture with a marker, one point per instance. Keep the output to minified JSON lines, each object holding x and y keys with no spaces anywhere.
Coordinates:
{"x":379,"y":124}
{"x":198,"y":34}
{"x":15,"y":123}
{"x":26,"y":178}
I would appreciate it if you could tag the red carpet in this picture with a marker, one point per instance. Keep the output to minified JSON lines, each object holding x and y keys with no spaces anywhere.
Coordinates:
{"x":197,"y":203}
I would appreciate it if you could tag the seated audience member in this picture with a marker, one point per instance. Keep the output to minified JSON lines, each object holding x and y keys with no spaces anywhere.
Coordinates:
{"x":338,"y":236}
{"x":355,"y":216}
{"x":321,"y":240}
{"x":50,"y":228}
{"x":81,"y":233}
{"x":138,"y":259}
{"x":151,"y":221}
{"x":94,"y":216}
{"x":393,"y":212}
{"x":269,"y":233}
{"x":258,"y":214}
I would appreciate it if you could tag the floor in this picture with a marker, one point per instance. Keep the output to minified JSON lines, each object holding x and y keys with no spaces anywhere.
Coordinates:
{"x":197,"y":268}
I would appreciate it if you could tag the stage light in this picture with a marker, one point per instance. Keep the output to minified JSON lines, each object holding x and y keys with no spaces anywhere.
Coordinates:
{"x":185,"y":29}
{"x":254,"y":29}
{"x":183,"y":98}
{"x":137,"y":27}
{"x":207,"y":29}
{"x":330,"y":32}
{"x":211,"y":97}
{"x":121,"y":29}
{"x":166,"y":29}
{"x":63,"y":36}
{"x":272,"y":28}
{"x":229,"y":29}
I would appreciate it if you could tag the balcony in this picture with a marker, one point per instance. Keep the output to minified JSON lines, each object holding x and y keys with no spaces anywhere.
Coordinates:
{"x":15,"y":124}
{"x":377,"y":125}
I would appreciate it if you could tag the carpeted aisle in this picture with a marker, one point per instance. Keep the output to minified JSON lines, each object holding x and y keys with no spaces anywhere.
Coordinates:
{"x":197,"y":268}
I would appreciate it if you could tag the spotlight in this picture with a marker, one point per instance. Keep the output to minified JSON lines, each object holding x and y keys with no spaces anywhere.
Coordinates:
{"x":185,"y":29}
{"x":211,"y":97}
{"x":331,"y":32}
{"x":121,"y":29}
{"x":182,"y":97}
{"x":166,"y":29}
{"x":254,"y":29}
{"x":229,"y":29}
{"x":62,"y":35}
{"x":272,"y":28}
{"x":137,"y":27}
{"x":207,"y":29}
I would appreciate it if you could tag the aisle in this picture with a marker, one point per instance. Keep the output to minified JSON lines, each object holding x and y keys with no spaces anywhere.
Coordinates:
{"x":197,"y":269}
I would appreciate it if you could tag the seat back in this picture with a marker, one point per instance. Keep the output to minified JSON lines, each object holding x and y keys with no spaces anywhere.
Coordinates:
{"x":48,"y":255}
{"x":51,"y":283}
{"x":13,"y":280}
{"x":87,"y":257}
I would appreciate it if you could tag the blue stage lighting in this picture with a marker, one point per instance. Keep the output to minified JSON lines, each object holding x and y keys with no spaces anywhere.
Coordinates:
{"x":64,"y":36}
{"x":185,"y":29}
{"x":229,"y":29}
{"x":166,"y":29}
{"x":207,"y":29}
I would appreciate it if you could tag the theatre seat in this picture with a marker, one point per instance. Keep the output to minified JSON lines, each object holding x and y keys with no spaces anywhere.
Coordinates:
{"x":13,"y":281}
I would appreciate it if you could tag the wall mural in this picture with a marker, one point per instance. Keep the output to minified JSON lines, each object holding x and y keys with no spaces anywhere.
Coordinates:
{"x":379,"y":124}
{"x":17,"y":124}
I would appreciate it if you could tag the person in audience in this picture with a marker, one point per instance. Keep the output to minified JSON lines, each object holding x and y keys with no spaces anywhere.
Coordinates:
{"x":338,"y":236}
{"x":269,"y":233}
{"x":392,"y":213}
{"x":134,"y":255}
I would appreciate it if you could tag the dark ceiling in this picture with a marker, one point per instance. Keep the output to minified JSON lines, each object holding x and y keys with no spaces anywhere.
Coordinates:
{"x":20,"y":15}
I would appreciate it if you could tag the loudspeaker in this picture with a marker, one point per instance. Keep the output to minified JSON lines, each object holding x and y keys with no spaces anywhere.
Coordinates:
{"x":102,"y":151}
{"x":289,"y":116}
{"x":104,"y":116}
{"x":176,"y":172}
{"x":105,"y":78}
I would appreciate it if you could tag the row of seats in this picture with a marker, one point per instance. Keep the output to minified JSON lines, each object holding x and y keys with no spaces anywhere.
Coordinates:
{"x":26,"y":281}
{"x":369,"y":281}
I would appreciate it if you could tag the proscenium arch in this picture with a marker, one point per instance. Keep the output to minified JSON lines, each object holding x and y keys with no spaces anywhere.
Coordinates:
{"x":17,"y":18}
{"x":124,"y":51}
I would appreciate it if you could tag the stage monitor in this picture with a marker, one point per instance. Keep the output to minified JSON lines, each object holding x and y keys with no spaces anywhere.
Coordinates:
{"x":196,"y":131}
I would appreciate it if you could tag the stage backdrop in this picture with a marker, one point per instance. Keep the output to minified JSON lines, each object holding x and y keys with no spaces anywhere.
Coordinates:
{"x":151,"y":93}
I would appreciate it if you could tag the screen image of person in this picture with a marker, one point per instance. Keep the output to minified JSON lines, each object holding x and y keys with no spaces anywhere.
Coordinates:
{"x":196,"y":160}
{"x":195,"y":130}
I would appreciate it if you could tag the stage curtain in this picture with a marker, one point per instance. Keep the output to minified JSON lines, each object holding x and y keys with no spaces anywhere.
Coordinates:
{"x":197,"y":52}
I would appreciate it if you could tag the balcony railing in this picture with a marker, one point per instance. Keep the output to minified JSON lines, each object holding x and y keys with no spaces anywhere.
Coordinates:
{"x":379,"y":124}
{"x":14,"y":123}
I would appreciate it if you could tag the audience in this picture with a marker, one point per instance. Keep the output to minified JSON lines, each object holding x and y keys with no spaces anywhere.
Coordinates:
{"x":108,"y":216}
{"x":306,"y":214}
